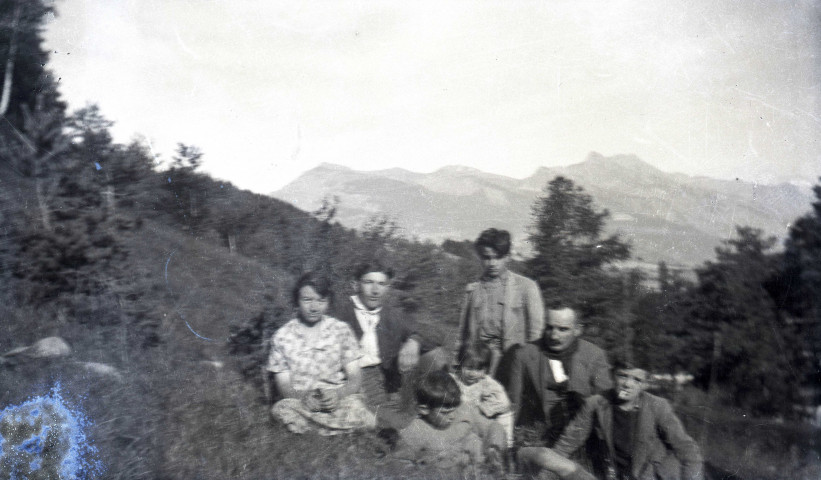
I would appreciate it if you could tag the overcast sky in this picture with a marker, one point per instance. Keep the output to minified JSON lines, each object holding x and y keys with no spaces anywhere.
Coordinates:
{"x":270,"y":89}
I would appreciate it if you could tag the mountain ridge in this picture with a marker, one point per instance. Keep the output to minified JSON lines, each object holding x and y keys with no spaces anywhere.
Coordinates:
{"x":666,"y":216}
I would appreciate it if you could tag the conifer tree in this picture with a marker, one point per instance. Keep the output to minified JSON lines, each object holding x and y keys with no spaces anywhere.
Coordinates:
{"x":571,"y":259}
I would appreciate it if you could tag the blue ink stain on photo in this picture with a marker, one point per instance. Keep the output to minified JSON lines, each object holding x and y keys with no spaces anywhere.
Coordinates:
{"x":45,"y":438}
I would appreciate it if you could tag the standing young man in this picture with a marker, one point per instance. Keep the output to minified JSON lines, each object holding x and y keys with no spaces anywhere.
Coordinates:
{"x":503,"y":308}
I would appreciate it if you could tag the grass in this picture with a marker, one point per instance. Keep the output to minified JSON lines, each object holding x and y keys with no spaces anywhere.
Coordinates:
{"x":752,"y":448}
{"x":174,"y":417}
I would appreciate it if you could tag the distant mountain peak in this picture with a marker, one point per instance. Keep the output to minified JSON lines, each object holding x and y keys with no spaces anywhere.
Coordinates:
{"x":333,"y":166}
{"x":629,"y":161}
{"x":458,"y":169}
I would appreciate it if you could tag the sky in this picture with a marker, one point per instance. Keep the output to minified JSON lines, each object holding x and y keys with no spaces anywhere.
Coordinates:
{"x":268,"y":90}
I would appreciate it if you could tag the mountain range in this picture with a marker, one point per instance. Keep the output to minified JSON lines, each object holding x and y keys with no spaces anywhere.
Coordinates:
{"x":672,"y":217}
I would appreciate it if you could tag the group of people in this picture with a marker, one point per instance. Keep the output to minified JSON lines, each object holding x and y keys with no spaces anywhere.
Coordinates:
{"x":370,"y":368}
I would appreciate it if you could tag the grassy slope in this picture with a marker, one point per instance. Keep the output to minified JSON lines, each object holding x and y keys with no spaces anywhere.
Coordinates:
{"x":213,"y":424}
{"x":172,"y":416}
{"x":203,"y":284}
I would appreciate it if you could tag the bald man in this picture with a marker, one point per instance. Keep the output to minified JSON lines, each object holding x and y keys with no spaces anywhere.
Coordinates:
{"x":562,"y":368}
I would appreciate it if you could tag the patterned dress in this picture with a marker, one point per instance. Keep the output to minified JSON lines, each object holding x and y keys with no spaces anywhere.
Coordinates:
{"x":317,"y":362}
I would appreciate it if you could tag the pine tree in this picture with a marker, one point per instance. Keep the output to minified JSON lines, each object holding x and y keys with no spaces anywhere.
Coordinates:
{"x":572,"y":256}
{"x":800,"y":288}
{"x":737,"y":336}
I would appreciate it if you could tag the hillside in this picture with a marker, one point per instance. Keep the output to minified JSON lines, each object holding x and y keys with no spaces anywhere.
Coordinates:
{"x":666,"y":216}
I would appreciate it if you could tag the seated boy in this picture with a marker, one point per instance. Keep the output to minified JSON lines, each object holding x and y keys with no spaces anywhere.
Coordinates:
{"x":637,"y":434}
{"x":446,"y":435}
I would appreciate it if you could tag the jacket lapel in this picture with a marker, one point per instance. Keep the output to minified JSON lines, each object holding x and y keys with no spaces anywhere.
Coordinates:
{"x":348,"y":315}
{"x":643,"y":430}
{"x":604,"y":411}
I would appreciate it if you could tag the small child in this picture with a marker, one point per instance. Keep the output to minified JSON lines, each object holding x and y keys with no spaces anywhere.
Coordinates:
{"x":445,"y":434}
{"x":482,"y":393}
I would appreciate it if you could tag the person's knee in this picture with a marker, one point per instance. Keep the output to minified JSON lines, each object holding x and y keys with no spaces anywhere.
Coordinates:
{"x":542,"y":458}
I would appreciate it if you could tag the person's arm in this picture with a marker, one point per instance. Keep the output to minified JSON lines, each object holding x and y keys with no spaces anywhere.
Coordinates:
{"x":683,"y":445}
{"x":494,"y":343}
{"x":576,"y":433}
{"x":464,"y":332}
{"x":278,"y":364}
{"x":600,"y":375}
{"x":329,"y":399}
{"x":535,"y":311}
{"x":286,"y":389}
{"x":350,"y":355}
{"x":493,"y":399}
{"x":354,"y":383}
{"x":408,"y":355}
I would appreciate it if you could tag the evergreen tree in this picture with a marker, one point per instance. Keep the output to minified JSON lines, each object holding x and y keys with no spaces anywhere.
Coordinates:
{"x":24,"y":80}
{"x":572,"y":256}
{"x":737,"y":336}
{"x":187,"y":190}
{"x":799,"y":289}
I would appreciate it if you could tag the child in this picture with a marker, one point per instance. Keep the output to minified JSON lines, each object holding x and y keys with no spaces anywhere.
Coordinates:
{"x":482,"y":393}
{"x":446,"y":434}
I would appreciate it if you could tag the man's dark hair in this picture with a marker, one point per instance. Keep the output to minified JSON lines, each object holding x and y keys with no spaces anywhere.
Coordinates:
{"x":365,"y":268}
{"x":319,"y":283}
{"x":476,"y":356}
{"x":621,"y":362}
{"x":498,"y":240}
{"x":438,"y":389}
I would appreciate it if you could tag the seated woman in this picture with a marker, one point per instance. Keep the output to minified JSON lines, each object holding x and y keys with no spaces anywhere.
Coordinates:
{"x":314,"y":359}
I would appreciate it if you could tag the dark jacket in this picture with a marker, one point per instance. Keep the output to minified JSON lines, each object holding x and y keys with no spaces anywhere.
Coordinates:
{"x":589,"y":374}
{"x":392,"y":331}
{"x":662,"y":450}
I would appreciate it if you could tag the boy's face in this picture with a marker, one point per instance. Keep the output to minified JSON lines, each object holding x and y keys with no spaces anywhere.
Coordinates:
{"x":493,"y":264}
{"x":439,"y":418}
{"x":629,"y":383}
{"x":372,"y":289}
{"x":469,"y":376}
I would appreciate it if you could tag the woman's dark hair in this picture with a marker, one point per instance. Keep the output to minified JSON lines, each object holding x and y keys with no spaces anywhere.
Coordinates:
{"x":365,"y":268}
{"x":476,"y":357}
{"x":498,"y":240}
{"x":319,"y":283}
{"x":438,"y":389}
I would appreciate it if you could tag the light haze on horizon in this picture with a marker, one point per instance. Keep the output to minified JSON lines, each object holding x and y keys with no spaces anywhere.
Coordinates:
{"x":269,"y":90}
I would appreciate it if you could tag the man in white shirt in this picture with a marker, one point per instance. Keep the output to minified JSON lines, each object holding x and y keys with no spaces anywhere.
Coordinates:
{"x":392,"y":349}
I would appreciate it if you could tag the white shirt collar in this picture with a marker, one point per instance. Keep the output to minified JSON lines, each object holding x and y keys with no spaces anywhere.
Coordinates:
{"x":357,"y":303}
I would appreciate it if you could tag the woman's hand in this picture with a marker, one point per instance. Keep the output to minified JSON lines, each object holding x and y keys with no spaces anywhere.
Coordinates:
{"x":328,"y":400}
{"x":312,"y":399}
